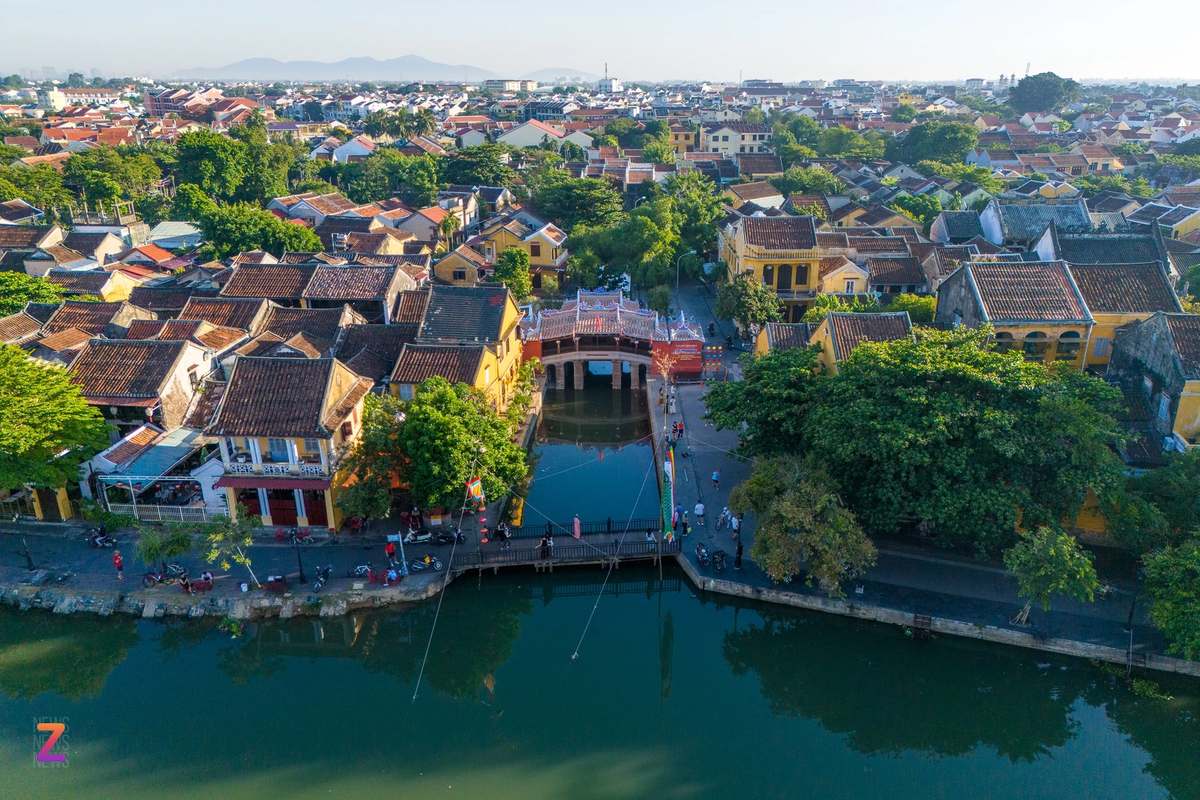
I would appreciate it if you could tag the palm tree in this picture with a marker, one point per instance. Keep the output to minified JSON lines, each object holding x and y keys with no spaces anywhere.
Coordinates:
{"x":400,"y":124}
{"x":448,"y":226}
{"x":424,"y":123}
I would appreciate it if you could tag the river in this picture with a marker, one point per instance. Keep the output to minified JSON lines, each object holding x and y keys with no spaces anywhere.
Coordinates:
{"x":672,"y":695}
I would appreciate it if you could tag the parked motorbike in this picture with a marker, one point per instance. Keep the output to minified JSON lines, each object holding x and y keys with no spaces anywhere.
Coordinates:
{"x":451,"y":537}
{"x":718,"y":561}
{"x":849,"y":572}
{"x":419,"y":564}
{"x":418,"y":537}
{"x":702,"y":555}
{"x":323,"y":574}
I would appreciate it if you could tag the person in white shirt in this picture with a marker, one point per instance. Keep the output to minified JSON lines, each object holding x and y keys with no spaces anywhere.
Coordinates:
{"x":699,"y":513}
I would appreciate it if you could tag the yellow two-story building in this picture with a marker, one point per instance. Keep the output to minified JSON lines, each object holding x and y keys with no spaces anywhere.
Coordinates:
{"x":284,"y":425}
{"x":542,"y":240}
{"x":1035,"y":306}
{"x":781,"y":252}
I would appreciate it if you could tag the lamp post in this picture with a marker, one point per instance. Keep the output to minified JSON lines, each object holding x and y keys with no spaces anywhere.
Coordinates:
{"x":677,"y":262}
{"x":296,"y":545}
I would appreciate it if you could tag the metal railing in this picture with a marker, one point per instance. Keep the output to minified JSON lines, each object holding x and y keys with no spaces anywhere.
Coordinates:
{"x":611,"y":526}
{"x":156,"y":513}
{"x":565,"y":554}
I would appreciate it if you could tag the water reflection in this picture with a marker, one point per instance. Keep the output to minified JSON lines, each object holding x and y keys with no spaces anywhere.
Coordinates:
{"x":597,"y":415}
{"x":67,"y":655}
{"x":944,"y":698}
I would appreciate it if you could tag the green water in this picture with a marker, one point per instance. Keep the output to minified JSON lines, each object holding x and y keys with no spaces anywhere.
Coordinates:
{"x":672,"y":695}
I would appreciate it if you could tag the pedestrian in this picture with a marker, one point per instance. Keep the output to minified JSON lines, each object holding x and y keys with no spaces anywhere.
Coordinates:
{"x":717,"y":479}
{"x":660,"y":395}
{"x":735,"y":522}
{"x":699,"y":513}
{"x":502,"y":532}
{"x":649,"y":537}
{"x":737,"y":557}
{"x":685,"y":525}
{"x":542,"y":547}
{"x":680,"y":429}
{"x":390,"y":550}
{"x":119,"y":563}
{"x":185,"y":584}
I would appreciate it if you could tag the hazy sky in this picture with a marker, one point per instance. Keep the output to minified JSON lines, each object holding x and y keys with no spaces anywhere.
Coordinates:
{"x":779,"y":39}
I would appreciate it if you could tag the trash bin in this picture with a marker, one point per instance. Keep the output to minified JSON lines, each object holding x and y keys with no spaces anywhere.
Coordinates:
{"x":276,"y":583}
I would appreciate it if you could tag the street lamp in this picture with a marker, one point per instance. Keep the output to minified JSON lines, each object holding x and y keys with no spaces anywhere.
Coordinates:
{"x":681,"y":257}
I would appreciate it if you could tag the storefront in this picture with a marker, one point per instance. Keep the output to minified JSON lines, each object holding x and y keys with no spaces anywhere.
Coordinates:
{"x":305,"y":502}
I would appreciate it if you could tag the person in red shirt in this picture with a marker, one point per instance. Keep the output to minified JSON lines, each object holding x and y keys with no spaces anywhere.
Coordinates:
{"x":390,"y":549}
{"x":119,"y":564}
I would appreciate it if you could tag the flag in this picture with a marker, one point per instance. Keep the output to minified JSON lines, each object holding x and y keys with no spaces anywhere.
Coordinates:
{"x":576,"y":526}
{"x":475,"y":488}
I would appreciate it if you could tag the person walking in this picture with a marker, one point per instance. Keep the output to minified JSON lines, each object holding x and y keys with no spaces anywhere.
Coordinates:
{"x":119,"y":563}
{"x":716,"y":479}
{"x":699,"y":513}
{"x":735,"y":522}
{"x":685,"y":525}
{"x":390,"y":550}
{"x":737,"y":557}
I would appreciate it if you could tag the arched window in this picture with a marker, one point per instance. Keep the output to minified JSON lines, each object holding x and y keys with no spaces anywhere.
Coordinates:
{"x":769,"y":275}
{"x":1068,"y":346}
{"x":1002,"y":342}
{"x":1035,"y":346}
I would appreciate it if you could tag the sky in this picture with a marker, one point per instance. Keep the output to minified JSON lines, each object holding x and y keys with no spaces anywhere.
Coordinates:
{"x":782,"y":40}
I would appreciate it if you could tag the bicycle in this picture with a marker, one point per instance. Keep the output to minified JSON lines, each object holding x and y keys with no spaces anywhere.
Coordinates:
{"x":361,"y":571}
{"x":166,"y":576}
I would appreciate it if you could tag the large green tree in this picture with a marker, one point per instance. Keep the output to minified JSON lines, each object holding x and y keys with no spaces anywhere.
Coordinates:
{"x":46,"y":427}
{"x":239,"y":227}
{"x":451,"y":435}
{"x":801,"y":524}
{"x":949,"y":142}
{"x":942,"y":430}
{"x":807,"y":180}
{"x":748,"y":303}
{"x":570,"y":202}
{"x":482,"y":165}
{"x":1043,"y":92}
{"x":1047,"y":562}
{"x":17,"y":289}
{"x":376,"y":460}
{"x":923,"y":209}
{"x":698,"y":207}
{"x":512,"y":269}
{"x":1173,"y":580}
{"x":215,"y":163}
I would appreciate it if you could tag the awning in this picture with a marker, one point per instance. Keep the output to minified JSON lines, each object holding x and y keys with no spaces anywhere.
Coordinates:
{"x":103,"y":400}
{"x":258,"y":482}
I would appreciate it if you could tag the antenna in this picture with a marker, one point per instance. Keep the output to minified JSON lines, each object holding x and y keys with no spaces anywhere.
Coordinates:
{"x":1027,"y":63}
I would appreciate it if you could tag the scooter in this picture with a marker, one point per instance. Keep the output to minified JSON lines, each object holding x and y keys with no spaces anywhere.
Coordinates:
{"x":322,"y":576}
{"x":451,"y":537}
{"x":100,"y":538}
{"x":418,"y":564}
{"x":702,"y":555}
{"x":718,"y":561}
{"x":418,"y":537}
{"x":712,"y":329}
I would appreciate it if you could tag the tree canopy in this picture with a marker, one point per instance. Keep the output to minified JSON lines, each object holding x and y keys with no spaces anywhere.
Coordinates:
{"x":1173,"y":580}
{"x":482,"y":165}
{"x":1043,"y":92}
{"x":948,"y":142}
{"x":1047,"y":562}
{"x":571,"y":202}
{"x":512,"y":269}
{"x":46,"y":427}
{"x":17,"y":289}
{"x":747,"y":302}
{"x":807,"y":180}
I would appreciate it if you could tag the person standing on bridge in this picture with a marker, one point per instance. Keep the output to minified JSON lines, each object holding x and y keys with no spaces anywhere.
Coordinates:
{"x":699,"y":513}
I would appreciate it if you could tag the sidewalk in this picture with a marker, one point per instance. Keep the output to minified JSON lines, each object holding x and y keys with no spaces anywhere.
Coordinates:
{"x":906,"y":578}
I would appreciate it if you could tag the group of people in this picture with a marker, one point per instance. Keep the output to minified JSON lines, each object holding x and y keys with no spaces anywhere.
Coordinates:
{"x":203,"y":585}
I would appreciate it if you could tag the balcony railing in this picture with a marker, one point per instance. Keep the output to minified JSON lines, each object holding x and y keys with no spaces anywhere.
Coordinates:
{"x":284,"y":469}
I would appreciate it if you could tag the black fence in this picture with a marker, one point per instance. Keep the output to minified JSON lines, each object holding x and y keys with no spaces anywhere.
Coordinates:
{"x":617,"y":526}
{"x":576,"y":552}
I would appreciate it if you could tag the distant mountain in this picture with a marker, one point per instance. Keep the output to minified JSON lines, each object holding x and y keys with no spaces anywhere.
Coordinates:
{"x":560,"y":74}
{"x":404,"y":68}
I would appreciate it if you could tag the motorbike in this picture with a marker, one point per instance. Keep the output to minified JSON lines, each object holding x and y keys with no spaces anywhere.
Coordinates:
{"x":98,"y":537}
{"x":718,"y":561}
{"x":323,"y":574}
{"x":418,"y":537}
{"x":702,"y":556}
{"x":419,"y":564}
{"x":849,"y":572}
{"x":712,"y":329}
{"x":451,"y":537}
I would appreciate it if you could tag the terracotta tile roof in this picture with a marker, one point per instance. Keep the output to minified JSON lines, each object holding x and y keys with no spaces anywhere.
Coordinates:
{"x":260,"y":345}
{"x":878,"y":244}
{"x":828,"y":264}
{"x":272,"y":281}
{"x":962,"y":224}
{"x":223,"y":312}
{"x":205,"y":403}
{"x":370,"y":365}
{"x":124,"y":369}
{"x":90,"y":317}
{"x":1040,"y":291}
{"x":848,"y":331}
{"x":79,"y":281}
{"x":170,"y":299}
{"x":799,"y":202}
{"x":787,"y":336}
{"x":18,"y":327}
{"x":320,"y":322}
{"x":150,"y":251}
{"x":1185,"y":333}
{"x":385,"y":341}
{"x":42,"y":312}
{"x":348,"y":401}
{"x":68,"y":339}
{"x":145,"y":329}
{"x":464,"y":313}
{"x":274,"y":397}
{"x":23,"y":236}
{"x":410,"y":307}
{"x":132,"y":445}
{"x":455,"y":363}
{"x":350,"y":283}
{"x":832,"y":240}
{"x":1125,"y":288}
{"x":754,"y":191}
{"x":780,"y":233}
{"x":895,"y":271}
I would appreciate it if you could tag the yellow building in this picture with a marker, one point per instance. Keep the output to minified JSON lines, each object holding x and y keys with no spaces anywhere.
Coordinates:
{"x":781,"y":252}
{"x":542,"y":240}
{"x":1118,"y":294}
{"x":839,"y":333}
{"x":908,"y":99}
{"x":466,"y":335}
{"x":779,"y":336}
{"x":462,"y":267}
{"x":1175,"y":222}
{"x":684,"y":139}
{"x":284,"y":425}
{"x":840,"y":275}
{"x":1033,"y":305}
{"x":97,"y":284}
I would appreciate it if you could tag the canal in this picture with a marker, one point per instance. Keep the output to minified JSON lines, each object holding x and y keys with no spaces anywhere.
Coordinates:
{"x":672,"y":695}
